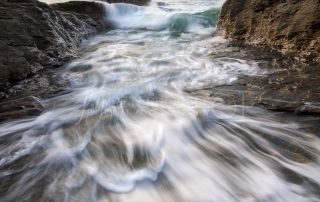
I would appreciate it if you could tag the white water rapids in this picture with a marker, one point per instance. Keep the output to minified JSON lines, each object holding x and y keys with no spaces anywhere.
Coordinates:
{"x":129,"y":132}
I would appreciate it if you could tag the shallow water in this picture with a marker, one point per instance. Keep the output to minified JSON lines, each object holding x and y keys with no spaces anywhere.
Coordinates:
{"x":58,"y":1}
{"x":129,"y":132}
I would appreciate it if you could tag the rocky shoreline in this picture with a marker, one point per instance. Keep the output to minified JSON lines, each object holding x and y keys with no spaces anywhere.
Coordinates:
{"x":37,"y":39}
{"x":35,"y":36}
{"x":288,"y":85}
{"x":285,"y":37}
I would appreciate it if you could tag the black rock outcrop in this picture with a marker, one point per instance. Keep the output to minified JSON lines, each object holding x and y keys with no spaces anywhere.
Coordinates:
{"x":34,"y":35}
{"x":35,"y":39}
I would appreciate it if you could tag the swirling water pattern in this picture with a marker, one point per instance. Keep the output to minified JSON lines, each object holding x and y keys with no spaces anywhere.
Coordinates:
{"x":129,"y":132}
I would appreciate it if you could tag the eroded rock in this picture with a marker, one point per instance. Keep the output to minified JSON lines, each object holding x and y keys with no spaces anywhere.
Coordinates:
{"x":290,"y":26}
{"x":34,"y":35}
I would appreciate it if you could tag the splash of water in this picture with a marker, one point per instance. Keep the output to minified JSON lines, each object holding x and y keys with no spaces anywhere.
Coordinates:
{"x":127,"y":16}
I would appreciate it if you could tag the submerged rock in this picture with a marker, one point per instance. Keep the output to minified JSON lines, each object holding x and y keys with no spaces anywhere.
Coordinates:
{"x":291,"y":27}
{"x":23,"y":107}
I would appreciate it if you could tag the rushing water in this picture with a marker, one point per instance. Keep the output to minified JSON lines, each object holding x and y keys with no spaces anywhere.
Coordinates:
{"x":129,"y":132}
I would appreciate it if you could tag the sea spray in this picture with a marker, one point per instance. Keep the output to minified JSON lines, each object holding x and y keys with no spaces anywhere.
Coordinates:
{"x":127,"y":16}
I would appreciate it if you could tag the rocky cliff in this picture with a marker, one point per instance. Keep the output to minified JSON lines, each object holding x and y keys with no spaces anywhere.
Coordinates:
{"x":34,"y":35}
{"x":289,"y":26}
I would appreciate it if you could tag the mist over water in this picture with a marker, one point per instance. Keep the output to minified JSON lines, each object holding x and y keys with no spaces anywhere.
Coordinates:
{"x":128,"y":131}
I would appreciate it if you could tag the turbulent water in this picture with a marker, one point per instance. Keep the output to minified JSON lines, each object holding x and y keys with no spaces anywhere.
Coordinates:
{"x":128,"y":131}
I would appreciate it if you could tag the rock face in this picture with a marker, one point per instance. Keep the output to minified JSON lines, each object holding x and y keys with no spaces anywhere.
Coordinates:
{"x":288,"y":85}
{"x":289,"y":26}
{"x":34,"y":35}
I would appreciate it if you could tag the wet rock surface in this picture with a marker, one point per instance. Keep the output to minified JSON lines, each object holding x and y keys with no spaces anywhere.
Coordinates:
{"x":34,"y":35}
{"x":45,"y":84}
{"x":24,"y":98}
{"x":36,"y":39}
{"x":288,"y":85}
{"x":289,"y":26}
{"x":20,"y":108}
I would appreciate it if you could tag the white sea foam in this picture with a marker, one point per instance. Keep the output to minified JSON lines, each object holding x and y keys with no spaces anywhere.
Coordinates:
{"x":128,"y":131}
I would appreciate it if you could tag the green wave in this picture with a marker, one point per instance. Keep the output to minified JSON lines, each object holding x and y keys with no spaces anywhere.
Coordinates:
{"x":180,"y":22}
{"x":209,"y":17}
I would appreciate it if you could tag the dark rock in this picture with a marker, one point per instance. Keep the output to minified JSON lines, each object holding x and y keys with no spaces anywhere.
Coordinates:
{"x":34,"y":35}
{"x":289,"y":26}
{"x":161,"y":3}
{"x":20,"y":108}
{"x":45,"y":84}
{"x":81,"y":68}
{"x":83,"y":10}
{"x":289,"y":85}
